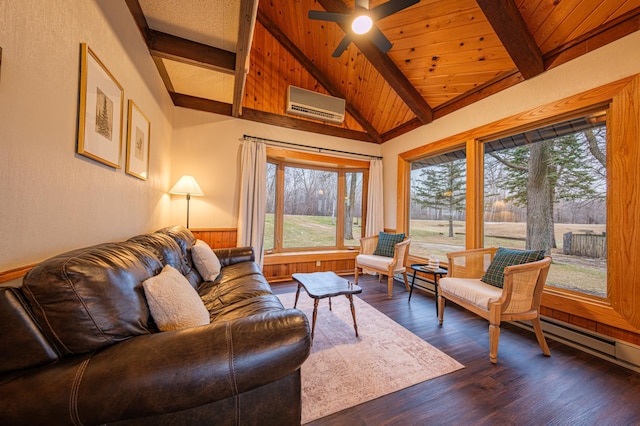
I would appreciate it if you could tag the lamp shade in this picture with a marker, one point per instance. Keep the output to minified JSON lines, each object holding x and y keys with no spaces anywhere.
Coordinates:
{"x":186,"y":185}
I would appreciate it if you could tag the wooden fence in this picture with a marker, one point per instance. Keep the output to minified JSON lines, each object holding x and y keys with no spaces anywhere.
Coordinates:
{"x":585,"y":245}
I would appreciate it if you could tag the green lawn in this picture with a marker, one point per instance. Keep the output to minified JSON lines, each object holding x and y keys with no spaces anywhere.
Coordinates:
{"x":570,"y":272}
{"x":431,"y":237}
{"x":308,"y":231}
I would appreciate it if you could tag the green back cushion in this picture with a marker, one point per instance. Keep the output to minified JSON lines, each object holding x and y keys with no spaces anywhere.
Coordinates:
{"x":387,"y":244}
{"x":507,"y":257}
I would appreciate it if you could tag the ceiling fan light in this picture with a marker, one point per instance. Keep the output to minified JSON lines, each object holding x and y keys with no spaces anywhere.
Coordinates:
{"x":362,"y":24}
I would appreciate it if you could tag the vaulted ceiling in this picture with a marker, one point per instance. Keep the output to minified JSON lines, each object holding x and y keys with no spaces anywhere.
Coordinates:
{"x":237,"y":57}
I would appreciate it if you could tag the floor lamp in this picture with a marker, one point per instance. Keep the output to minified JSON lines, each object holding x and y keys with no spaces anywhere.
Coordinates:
{"x":188,"y":186}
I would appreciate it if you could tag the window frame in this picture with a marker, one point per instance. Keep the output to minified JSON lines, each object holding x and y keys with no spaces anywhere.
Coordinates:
{"x":289,"y":158}
{"x":620,"y":98}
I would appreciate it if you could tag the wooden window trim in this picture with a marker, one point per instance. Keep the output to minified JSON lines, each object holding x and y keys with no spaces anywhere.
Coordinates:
{"x":623,"y":96}
{"x":293,"y":158}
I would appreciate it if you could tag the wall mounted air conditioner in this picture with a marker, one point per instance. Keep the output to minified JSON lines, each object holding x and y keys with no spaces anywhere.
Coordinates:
{"x":306,"y":103}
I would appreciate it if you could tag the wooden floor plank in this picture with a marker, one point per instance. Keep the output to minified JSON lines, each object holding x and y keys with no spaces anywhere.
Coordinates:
{"x":525,"y":388}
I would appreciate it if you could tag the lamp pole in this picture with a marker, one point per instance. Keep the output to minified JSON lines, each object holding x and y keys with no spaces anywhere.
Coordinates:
{"x":188,"y":200}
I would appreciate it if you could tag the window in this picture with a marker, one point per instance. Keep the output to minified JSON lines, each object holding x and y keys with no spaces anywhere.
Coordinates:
{"x":353,"y":230}
{"x":545,"y":189}
{"x":437,"y":207}
{"x":310,"y":198}
{"x":304,"y":207}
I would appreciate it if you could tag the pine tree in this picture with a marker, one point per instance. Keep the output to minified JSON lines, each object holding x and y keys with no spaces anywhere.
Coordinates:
{"x":442,"y":187}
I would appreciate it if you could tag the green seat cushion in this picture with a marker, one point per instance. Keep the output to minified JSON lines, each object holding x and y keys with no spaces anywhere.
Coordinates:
{"x":387,"y":244}
{"x":508,"y":257}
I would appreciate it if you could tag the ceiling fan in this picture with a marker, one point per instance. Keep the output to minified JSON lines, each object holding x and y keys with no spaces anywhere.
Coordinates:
{"x":361,"y":20}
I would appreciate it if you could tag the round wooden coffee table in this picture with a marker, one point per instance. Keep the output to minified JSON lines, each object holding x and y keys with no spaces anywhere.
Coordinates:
{"x":320,"y":285}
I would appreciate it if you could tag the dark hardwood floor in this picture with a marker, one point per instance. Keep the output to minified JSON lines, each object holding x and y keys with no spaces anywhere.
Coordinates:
{"x":525,"y":387}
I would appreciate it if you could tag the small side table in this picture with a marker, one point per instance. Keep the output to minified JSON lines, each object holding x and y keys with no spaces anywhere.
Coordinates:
{"x":437,"y":274}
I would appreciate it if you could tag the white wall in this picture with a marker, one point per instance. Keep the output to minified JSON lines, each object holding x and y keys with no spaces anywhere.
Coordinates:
{"x":51,"y":199}
{"x":208,"y":146}
{"x":607,"y":64}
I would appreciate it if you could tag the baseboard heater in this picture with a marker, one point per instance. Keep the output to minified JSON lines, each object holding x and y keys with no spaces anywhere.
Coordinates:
{"x":616,"y":351}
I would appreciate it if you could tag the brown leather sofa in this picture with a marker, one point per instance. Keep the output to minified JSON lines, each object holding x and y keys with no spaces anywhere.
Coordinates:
{"x":79,"y":346}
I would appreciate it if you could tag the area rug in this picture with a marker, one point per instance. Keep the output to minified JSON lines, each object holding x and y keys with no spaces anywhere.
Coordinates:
{"x":344,"y":370}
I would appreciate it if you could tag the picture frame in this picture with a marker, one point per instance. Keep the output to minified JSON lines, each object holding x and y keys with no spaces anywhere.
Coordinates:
{"x":99,"y":111}
{"x":138,"y":142}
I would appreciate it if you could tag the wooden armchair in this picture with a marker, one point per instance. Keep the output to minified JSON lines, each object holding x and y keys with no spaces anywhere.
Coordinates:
{"x":519,"y":299}
{"x":383,"y":265}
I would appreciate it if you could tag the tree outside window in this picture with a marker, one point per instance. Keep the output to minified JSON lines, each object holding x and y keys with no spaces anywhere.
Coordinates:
{"x":545,"y":189}
{"x":437,"y":211}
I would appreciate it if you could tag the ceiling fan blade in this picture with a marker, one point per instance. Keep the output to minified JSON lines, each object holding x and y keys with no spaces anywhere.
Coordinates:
{"x":380,"y":40}
{"x":321,"y":15}
{"x":362,"y":4}
{"x":391,"y":7}
{"x":342,"y":46}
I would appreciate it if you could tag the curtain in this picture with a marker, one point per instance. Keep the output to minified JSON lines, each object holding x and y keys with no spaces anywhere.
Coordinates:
{"x":253,"y":198}
{"x":375,"y":206}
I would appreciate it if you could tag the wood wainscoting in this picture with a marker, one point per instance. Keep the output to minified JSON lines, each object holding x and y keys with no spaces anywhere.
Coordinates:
{"x":280,"y":266}
{"x":217,"y":237}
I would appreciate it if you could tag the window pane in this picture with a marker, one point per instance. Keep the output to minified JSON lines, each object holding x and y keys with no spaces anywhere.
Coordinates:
{"x":353,"y":209}
{"x":309,"y":207}
{"x":546,"y":189}
{"x":437,"y":211}
{"x":269,"y":226}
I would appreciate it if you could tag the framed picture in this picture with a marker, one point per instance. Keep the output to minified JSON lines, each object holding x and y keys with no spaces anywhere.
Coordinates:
{"x":138,"y":128}
{"x":99,"y":111}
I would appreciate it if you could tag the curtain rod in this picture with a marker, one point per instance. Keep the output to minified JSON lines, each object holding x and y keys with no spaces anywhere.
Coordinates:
{"x":309,"y":147}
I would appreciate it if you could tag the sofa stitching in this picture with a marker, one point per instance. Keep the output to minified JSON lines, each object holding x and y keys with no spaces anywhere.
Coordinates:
{"x":73,"y":398}
{"x":232,"y":373}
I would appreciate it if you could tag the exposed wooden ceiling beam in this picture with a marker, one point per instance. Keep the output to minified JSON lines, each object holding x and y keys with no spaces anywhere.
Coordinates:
{"x":385,"y":66}
{"x":201,"y":104}
{"x":316,"y":73}
{"x":190,"y":52}
{"x":248,"y":10}
{"x":304,"y":125}
{"x":504,"y":17}
{"x":163,"y":45}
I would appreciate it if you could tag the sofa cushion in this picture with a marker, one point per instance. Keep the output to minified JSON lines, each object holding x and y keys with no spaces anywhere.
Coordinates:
{"x":373,"y":261}
{"x":247,"y":307}
{"x":472,"y":290}
{"x":508,"y":257}
{"x":206,"y":261}
{"x":237,"y":282}
{"x":185,"y":240}
{"x":165,"y":248}
{"x":92,"y":297}
{"x":387,"y":244}
{"x":22,"y":342}
{"x":173,"y":302}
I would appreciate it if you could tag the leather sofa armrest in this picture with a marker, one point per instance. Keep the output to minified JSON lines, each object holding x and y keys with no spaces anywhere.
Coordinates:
{"x":162,"y":372}
{"x":229,"y":256}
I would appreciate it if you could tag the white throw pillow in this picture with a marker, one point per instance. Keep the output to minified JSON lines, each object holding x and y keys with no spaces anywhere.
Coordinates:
{"x":206,"y":261}
{"x":174,"y":304}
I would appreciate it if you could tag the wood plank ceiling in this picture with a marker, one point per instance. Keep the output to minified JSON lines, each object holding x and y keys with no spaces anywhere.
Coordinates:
{"x":238,"y":57}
